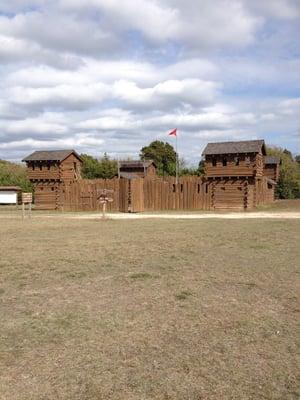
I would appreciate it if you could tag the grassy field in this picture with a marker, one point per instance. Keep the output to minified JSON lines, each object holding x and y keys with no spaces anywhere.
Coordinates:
{"x":149,"y":309}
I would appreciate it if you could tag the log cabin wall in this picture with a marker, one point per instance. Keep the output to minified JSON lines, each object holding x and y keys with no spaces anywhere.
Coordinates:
{"x":43,"y":170}
{"x":272,"y":171}
{"x":230,"y":194}
{"x":70,"y":169}
{"x":47,"y":195}
{"x":259,"y":165}
{"x":233,"y":165}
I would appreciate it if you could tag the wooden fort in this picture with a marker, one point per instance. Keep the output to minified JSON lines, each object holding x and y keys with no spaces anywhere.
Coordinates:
{"x":238,"y":175}
{"x":50,"y":172}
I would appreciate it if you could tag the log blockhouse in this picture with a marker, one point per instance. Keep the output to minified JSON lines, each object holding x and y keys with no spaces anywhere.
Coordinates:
{"x":271,"y":167}
{"x":50,"y":172}
{"x":237,"y":174}
{"x":137,"y":169}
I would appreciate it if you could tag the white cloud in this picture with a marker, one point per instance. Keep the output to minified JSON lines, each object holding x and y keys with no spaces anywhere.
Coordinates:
{"x":66,"y":96}
{"x":108,"y":75}
{"x":166,"y":94}
{"x":288,"y":9}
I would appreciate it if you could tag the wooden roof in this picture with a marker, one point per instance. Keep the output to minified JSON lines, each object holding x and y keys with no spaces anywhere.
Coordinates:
{"x":272,"y":160}
{"x":136,"y":164}
{"x":51,"y":155}
{"x":246,"y":146}
{"x":10,"y":188}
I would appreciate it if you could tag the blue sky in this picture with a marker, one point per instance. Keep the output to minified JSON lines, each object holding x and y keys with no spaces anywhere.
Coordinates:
{"x":109,"y":76}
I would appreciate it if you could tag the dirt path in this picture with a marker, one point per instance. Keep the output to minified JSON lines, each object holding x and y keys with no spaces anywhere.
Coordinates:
{"x":127,"y":216}
{"x":234,"y":215}
{"x":293,"y":214}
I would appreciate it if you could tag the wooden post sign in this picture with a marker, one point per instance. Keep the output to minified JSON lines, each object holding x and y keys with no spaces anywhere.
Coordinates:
{"x":104,"y":197}
{"x":26,"y":199}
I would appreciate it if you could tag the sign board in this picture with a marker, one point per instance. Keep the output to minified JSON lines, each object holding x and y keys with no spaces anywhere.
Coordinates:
{"x":27,"y":198}
{"x":104,"y":198}
{"x":8,"y":197}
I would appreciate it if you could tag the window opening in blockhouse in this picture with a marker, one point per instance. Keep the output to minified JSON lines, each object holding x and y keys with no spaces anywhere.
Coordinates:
{"x":214,"y":162}
{"x":198,"y":188}
{"x":206,"y":188}
{"x":224,"y":161}
{"x":174,"y":188}
{"x":237,"y":161}
{"x":41,"y":166}
{"x":181,"y":187}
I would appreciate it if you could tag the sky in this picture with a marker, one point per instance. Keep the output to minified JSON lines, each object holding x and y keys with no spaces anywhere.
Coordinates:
{"x":111,"y":76}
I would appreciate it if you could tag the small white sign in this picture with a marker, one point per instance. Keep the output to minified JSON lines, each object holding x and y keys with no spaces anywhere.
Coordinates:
{"x":8,"y":197}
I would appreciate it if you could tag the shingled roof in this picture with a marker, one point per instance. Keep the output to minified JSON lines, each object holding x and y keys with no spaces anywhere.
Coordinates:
{"x":246,"y":146}
{"x":272,"y":160}
{"x":51,"y":155}
{"x":136,"y":164}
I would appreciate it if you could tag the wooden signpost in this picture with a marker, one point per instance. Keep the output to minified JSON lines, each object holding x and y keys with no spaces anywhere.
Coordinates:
{"x":104,"y":198}
{"x":26,"y":199}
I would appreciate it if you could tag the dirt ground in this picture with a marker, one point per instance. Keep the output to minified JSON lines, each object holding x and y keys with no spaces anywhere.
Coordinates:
{"x":148,"y":309}
{"x":281,"y":209}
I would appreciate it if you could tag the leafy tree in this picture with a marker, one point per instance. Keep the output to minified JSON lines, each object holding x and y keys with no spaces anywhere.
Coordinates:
{"x":288,"y":186}
{"x":12,"y":174}
{"x":108,"y":167}
{"x":201,"y":168}
{"x":163,"y":154}
{"x":90,"y":167}
{"x":104,"y":168}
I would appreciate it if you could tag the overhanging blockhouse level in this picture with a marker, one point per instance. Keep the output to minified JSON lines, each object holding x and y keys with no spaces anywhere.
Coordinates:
{"x":50,"y":172}
{"x":137,"y":168}
{"x":236,"y":175}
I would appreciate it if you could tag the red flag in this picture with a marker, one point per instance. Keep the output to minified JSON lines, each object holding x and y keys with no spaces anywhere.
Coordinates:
{"x":173,"y":132}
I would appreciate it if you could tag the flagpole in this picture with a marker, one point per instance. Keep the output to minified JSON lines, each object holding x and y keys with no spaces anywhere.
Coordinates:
{"x":176,"y":160}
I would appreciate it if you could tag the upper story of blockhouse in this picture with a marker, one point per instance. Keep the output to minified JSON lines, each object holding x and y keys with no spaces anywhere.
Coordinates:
{"x":271,"y":167}
{"x":137,"y":168}
{"x":54,"y":165}
{"x":234,"y":159}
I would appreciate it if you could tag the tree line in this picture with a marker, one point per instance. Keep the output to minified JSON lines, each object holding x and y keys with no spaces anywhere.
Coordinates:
{"x":164,"y":155}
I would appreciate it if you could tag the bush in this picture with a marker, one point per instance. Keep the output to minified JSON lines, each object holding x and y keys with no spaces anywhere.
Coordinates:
{"x":12,"y":174}
{"x":288,"y":186}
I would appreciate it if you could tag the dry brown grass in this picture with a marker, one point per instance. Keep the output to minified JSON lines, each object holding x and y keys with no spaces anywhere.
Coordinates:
{"x":140,"y":310}
{"x":281,"y":205}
